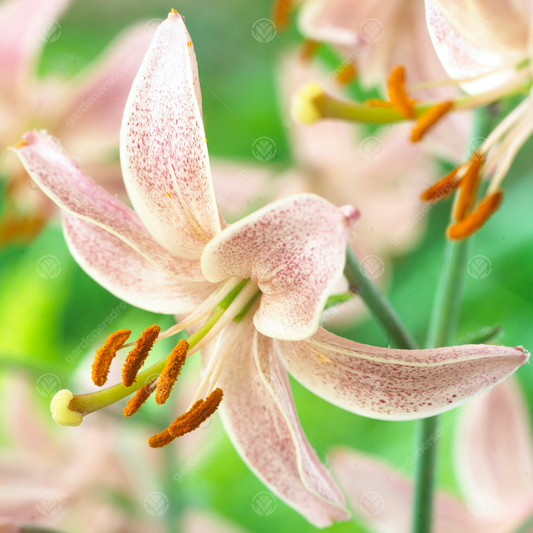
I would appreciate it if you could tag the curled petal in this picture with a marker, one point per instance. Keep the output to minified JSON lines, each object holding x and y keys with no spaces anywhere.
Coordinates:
{"x":260,"y":418}
{"x":392,"y":384}
{"x":383,"y":501}
{"x":464,"y":52}
{"x":294,"y":249}
{"x":163,"y":147}
{"x":495,"y":450}
{"x":126,"y":274}
{"x":60,"y":178}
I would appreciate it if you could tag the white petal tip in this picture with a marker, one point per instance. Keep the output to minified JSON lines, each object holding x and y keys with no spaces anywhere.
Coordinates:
{"x":61,"y":412}
{"x":174,"y":14}
{"x":304,"y":106}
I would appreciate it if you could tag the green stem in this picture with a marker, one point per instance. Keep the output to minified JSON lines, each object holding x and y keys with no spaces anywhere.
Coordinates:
{"x":376,"y":302}
{"x":442,"y":330}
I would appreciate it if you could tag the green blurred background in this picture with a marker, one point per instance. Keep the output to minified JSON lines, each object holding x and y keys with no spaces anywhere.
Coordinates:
{"x":43,"y":320}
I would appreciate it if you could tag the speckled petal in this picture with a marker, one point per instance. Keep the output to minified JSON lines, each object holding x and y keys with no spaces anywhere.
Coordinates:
{"x":392,"y":384}
{"x":126,"y":274}
{"x":58,"y":175}
{"x":383,"y":500}
{"x":294,"y":249}
{"x":467,"y":47}
{"x":260,"y":418}
{"x":495,"y":450}
{"x":163,"y":146}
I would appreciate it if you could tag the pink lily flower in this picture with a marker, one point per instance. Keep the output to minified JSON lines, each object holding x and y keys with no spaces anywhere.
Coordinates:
{"x":254,"y":291}
{"x":86,"y":111}
{"x":494,"y":465}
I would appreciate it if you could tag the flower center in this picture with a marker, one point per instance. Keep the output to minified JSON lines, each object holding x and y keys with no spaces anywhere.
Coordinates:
{"x":224,"y":315}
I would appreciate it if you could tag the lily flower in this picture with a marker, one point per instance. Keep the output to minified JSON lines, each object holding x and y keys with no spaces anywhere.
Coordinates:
{"x":494,"y":467}
{"x":254,"y":292}
{"x":86,"y":110}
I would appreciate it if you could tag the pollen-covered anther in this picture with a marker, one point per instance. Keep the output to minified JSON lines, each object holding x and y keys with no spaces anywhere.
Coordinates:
{"x":170,"y":373}
{"x":308,"y":49}
{"x":160,"y":439}
{"x":138,"y":399}
{"x":105,"y":355}
{"x":281,"y":13}
{"x":398,"y":95}
{"x":198,"y":414}
{"x":428,"y":119}
{"x":469,"y":186}
{"x":346,"y":72}
{"x":475,"y":220}
{"x":139,"y":353}
{"x":443,"y":188}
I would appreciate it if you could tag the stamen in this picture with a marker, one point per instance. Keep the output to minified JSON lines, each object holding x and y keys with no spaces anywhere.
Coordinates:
{"x":281,"y":12}
{"x":397,"y":93}
{"x":346,"y":72}
{"x":170,"y":373}
{"x":105,"y":355}
{"x":136,"y":401}
{"x":442,"y":188}
{"x":428,"y":119}
{"x":469,"y":185}
{"x":137,"y":356}
{"x":308,"y":49}
{"x":475,"y":220}
{"x":188,"y":421}
{"x":198,"y":414}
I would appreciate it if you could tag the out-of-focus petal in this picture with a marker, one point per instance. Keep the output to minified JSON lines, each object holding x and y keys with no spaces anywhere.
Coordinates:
{"x":126,"y":274}
{"x":392,"y":384}
{"x":25,"y":26}
{"x":383,"y":501}
{"x":260,"y":418}
{"x":163,"y":146}
{"x":202,"y":521}
{"x":294,"y":249}
{"x":61,"y":179}
{"x":90,"y":113}
{"x":495,"y":451}
{"x":465,"y":53}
